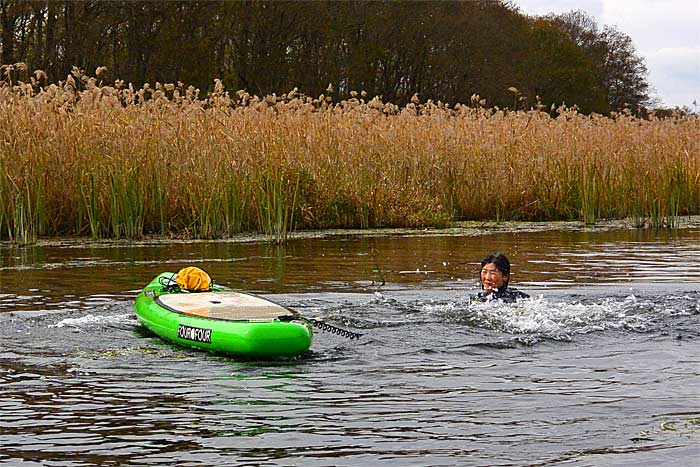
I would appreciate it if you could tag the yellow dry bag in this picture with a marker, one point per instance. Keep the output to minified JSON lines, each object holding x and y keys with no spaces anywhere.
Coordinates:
{"x":193,"y":279}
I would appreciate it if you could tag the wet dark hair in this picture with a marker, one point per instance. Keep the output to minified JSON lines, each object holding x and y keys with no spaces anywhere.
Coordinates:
{"x":501,"y":262}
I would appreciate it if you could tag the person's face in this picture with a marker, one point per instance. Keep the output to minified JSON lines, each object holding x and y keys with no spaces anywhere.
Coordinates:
{"x":492,"y":278}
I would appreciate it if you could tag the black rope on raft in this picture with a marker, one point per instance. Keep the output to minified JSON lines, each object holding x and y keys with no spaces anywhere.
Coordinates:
{"x":169,"y":283}
{"x":323,"y":326}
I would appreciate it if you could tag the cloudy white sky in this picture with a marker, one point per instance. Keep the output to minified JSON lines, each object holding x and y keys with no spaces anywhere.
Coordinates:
{"x":665,"y":32}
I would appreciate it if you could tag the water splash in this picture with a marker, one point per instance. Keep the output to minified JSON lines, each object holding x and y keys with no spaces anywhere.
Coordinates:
{"x":562,"y":319}
{"x":90,"y":321}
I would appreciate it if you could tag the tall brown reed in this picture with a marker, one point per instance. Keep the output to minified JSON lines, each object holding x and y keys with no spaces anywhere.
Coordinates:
{"x":114,"y":161}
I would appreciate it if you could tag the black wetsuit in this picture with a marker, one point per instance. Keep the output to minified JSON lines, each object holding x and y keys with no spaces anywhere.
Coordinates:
{"x":505,"y":294}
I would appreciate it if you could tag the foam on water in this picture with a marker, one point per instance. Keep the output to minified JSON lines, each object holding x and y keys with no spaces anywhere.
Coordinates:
{"x":560,"y":319}
{"x":90,"y":320}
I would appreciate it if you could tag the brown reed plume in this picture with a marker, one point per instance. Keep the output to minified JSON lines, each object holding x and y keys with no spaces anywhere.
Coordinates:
{"x":83,"y":158}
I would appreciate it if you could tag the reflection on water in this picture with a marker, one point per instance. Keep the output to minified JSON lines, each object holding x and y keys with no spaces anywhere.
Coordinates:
{"x":551,"y":259}
{"x":600,"y":367}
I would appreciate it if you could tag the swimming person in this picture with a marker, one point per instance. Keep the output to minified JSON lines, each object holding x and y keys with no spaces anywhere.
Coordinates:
{"x":495,"y":273}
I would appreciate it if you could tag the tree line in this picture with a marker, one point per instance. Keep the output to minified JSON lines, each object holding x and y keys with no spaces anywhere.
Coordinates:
{"x":451,"y":51}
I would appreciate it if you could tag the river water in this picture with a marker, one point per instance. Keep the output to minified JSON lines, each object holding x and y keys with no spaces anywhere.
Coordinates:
{"x":600,"y":367}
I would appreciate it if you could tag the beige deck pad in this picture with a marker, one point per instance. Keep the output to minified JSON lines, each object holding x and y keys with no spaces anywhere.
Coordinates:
{"x":231,"y":306}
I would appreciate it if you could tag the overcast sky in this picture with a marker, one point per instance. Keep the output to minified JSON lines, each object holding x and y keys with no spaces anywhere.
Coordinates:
{"x":666,"y":33}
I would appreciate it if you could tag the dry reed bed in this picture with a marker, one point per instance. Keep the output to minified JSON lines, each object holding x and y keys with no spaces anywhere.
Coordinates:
{"x":79,"y":158}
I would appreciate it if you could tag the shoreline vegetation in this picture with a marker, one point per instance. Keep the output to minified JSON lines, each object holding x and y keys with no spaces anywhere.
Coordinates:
{"x":460,"y":228}
{"x":83,"y":158}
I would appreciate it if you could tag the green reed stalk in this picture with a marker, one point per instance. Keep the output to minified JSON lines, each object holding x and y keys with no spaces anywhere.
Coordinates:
{"x":655,"y":209}
{"x":277,"y":202}
{"x":637,"y":213}
{"x":21,"y":230}
{"x":40,"y":214}
{"x":135,"y":212}
{"x":233,"y":208}
{"x":449,"y":196}
{"x":628,"y":197}
{"x":584,"y":186}
{"x":371,"y":211}
{"x":208,"y":224}
{"x":115,"y":195}
{"x":89,"y":196}
{"x":18,"y":231}
{"x":210,"y":206}
{"x":589,"y":195}
{"x":5,"y":206}
{"x":677,"y":194}
{"x":127,"y":207}
{"x":3,"y":224}
{"x":24,"y":220}
{"x":158,"y":197}
{"x":24,"y":212}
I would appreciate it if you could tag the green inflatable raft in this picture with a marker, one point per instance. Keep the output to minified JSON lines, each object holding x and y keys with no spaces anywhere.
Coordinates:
{"x":221,"y":320}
